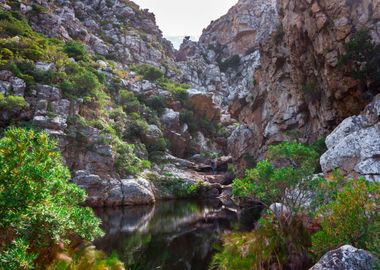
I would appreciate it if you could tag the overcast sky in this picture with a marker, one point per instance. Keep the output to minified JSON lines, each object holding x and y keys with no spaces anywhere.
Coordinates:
{"x":185,"y":17}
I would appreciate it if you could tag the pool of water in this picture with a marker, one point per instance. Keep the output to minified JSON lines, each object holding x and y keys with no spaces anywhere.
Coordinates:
{"x":174,"y":235}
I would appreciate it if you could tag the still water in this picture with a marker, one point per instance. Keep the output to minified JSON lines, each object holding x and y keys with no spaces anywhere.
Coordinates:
{"x":174,"y":235}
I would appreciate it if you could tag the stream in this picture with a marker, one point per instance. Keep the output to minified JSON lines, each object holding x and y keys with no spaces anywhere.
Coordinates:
{"x":172,"y":235}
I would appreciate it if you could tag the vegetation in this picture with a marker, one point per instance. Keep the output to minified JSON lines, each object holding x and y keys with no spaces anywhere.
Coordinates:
{"x":39,"y":208}
{"x":345,"y":209}
{"x":15,"y":103}
{"x":352,"y":218}
{"x":362,"y":56}
{"x":148,"y":72}
{"x":311,"y":92}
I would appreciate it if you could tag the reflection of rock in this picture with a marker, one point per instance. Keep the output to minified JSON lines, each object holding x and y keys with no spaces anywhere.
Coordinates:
{"x":126,"y":219}
{"x":169,"y":235}
{"x":346,"y":258}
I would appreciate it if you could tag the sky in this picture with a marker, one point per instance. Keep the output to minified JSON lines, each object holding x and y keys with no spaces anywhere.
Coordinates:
{"x":185,"y":17}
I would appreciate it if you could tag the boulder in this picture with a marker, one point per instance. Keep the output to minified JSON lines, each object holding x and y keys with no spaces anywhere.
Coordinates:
{"x":354,"y":146}
{"x":346,"y":258}
{"x":203,"y":105}
{"x":152,"y":135}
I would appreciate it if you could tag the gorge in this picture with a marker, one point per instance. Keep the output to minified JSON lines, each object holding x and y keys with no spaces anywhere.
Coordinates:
{"x":279,"y":99}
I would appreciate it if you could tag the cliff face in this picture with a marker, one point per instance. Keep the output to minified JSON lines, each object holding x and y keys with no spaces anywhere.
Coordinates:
{"x":294,"y":87}
{"x":116,"y":29}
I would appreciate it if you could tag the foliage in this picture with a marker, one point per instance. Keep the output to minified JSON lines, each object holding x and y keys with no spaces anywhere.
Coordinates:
{"x":363,"y":55}
{"x":37,"y":203}
{"x":272,"y":245}
{"x":157,"y":103}
{"x":126,"y":162}
{"x":148,"y":72}
{"x":136,"y":126}
{"x":232,"y":62}
{"x":129,"y":101}
{"x":172,"y":185}
{"x":196,"y":124}
{"x":177,"y":89}
{"x":79,"y":81}
{"x":15,"y":103}
{"x":88,"y":258}
{"x":16,"y":256}
{"x":269,"y":183}
{"x":75,"y":50}
{"x":352,"y":218}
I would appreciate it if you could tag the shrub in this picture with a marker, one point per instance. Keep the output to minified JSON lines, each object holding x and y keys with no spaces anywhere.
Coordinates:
{"x":80,"y":81}
{"x":136,"y":126}
{"x":362,"y":56}
{"x":271,"y":184}
{"x":273,"y":245}
{"x":75,"y":50}
{"x":37,"y":202}
{"x":352,"y":218}
{"x":177,"y":89}
{"x":129,"y":101}
{"x":157,"y":103}
{"x":14,"y":103}
{"x":232,"y":62}
{"x":148,"y":72}
{"x":126,"y":161}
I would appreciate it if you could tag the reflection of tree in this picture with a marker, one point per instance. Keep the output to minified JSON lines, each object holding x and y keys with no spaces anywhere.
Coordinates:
{"x":175,"y":236}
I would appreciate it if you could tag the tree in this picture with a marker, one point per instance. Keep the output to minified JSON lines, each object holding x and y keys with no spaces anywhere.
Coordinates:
{"x":39,"y":207}
{"x":363,"y":56}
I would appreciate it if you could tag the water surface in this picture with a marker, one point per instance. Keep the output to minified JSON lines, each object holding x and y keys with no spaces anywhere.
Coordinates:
{"x":174,"y":235}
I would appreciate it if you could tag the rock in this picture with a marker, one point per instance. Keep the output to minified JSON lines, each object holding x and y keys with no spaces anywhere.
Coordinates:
{"x":5,"y":75}
{"x":152,"y":135}
{"x":280,"y":210}
{"x":41,"y":66}
{"x":170,"y":118}
{"x":354,"y":146}
{"x":346,"y":258}
{"x":18,"y":86}
{"x":56,"y":123}
{"x":48,"y":92}
{"x":136,"y":192}
{"x":203,"y":105}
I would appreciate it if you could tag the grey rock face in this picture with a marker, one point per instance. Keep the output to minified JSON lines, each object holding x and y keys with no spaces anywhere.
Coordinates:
{"x":346,"y":258}
{"x":354,"y":146}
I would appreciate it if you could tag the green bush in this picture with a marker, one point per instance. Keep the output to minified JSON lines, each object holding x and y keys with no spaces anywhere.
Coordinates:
{"x":14,"y":103}
{"x":272,"y":245}
{"x":80,"y":81}
{"x":362,"y":56}
{"x":129,"y":101}
{"x":38,"y":204}
{"x":12,"y":26}
{"x":352,"y":218}
{"x":126,"y":161}
{"x":75,"y":50}
{"x":269,"y":183}
{"x":232,"y":62}
{"x":136,"y":126}
{"x":177,"y":89}
{"x":157,"y":103}
{"x":17,"y":256}
{"x":148,"y":72}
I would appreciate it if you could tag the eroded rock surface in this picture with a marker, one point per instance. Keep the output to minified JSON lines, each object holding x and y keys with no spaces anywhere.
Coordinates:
{"x":346,"y":258}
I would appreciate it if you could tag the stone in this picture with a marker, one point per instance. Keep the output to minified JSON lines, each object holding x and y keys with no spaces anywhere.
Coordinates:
{"x":152,"y":135}
{"x":280,"y":210}
{"x":136,"y":192}
{"x":354,"y":146}
{"x":41,"y":66}
{"x":170,"y":118}
{"x":203,"y":105}
{"x":18,"y":86}
{"x":346,"y":258}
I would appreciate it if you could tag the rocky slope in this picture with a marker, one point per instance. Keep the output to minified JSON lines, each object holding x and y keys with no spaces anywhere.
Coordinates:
{"x":265,"y":72}
{"x":274,"y":65}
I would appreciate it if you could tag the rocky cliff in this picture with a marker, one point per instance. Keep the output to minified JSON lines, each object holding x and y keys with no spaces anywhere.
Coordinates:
{"x":274,"y":65}
{"x":99,"y":76}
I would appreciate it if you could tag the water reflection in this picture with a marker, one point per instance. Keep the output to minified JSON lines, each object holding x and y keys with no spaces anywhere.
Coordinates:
{"x":172,"y":235}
